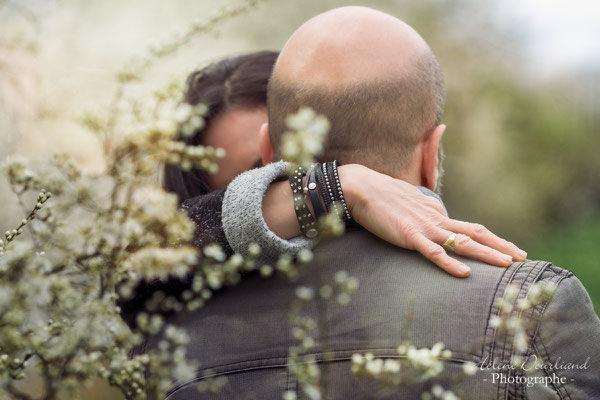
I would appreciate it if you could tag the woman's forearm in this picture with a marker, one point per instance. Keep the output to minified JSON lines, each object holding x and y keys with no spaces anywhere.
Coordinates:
{"x":278,"y":210}
{"x":242,"y":214}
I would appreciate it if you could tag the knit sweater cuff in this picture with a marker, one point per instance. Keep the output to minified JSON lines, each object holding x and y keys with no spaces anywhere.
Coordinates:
{"x":243,"y":222}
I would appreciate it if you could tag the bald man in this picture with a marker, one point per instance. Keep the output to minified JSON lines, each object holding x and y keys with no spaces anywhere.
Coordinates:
{"x":381,"y":87}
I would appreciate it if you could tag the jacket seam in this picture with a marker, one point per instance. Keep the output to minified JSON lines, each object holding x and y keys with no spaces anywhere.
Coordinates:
{"x":495,"y":307}
{"x":507,"y":342}
{"x":556,"y":389}
{"x":489,"y":315}
{"x":538,"y":338}
{"x":281,"y":362}
{"x":537,"y":312}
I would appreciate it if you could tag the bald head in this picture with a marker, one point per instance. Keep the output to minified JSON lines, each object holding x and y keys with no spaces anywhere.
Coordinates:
{"x":349,"y":45}
{"x":371,"y":74}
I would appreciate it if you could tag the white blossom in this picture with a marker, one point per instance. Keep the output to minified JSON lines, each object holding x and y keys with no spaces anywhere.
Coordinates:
{"x":304,"y":293}
{"x":469,"y":368}
{"x":391,"y":366}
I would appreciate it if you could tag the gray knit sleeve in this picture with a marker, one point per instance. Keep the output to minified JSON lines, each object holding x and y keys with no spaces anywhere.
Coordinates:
{"x":243,"y":222}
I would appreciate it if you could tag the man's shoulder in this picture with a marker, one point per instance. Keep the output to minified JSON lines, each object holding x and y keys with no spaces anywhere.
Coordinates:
{"x":392,"y":272}
{"x":358,"y":249}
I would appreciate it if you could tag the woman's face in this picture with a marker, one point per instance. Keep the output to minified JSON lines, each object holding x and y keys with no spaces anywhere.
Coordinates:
{"x":236,"y":131}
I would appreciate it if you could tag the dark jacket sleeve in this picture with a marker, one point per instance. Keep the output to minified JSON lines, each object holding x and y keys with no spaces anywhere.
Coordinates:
{"x":205,"y":212}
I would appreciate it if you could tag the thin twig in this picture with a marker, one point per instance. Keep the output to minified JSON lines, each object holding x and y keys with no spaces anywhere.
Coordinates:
{"x":34,"y":237}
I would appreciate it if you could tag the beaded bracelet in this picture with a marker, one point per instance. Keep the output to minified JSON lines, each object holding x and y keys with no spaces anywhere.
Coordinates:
{"x":338,"y":187}
{"x":321,"y":171}
{"x":306,"y":220}
{"x":328,"y":175}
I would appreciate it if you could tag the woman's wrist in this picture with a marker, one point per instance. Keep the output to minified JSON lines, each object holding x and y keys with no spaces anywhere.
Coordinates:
{"x":278,"y":209}
{"x":353,"y":181}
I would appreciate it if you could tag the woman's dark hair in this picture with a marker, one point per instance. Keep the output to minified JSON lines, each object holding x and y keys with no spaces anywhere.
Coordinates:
{"x":235,"y":82}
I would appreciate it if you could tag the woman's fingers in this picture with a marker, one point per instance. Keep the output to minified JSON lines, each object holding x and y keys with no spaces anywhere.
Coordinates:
{"x":481,"y":234}
{"x":439,"y":257}
{"x":466,"y":246}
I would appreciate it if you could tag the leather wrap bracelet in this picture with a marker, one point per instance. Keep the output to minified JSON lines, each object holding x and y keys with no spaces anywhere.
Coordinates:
{"x":324,"y":190}
{"x":313,"y":191}
{"x":306,"y":220}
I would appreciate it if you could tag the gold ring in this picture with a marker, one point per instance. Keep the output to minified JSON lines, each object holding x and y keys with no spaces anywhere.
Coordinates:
{"x":449,"y":244}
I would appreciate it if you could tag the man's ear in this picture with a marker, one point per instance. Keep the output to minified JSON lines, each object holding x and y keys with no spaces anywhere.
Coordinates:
{"x":266,"y":148}
{"x":429,"y":161}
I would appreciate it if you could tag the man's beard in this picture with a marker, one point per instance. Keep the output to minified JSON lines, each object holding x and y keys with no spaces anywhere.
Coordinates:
{"x":440,"y":168}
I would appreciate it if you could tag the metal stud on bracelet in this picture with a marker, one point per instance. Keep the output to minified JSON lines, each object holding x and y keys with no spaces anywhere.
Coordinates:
{"x":327,"y":172}
{"x":313,"y":191}
{"x":320,"y":171}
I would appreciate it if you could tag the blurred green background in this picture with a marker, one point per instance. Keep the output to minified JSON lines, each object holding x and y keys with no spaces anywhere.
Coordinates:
{"x":523,"y":97}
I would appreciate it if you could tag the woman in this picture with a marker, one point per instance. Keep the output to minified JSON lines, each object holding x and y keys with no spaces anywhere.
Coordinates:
{"x":235,"y":90}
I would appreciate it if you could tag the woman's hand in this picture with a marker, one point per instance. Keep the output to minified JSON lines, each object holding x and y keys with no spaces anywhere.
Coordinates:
{"x":399,"y":213}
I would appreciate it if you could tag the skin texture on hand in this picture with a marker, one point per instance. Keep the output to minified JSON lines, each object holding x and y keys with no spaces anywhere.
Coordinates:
{"x":397,"y":212}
